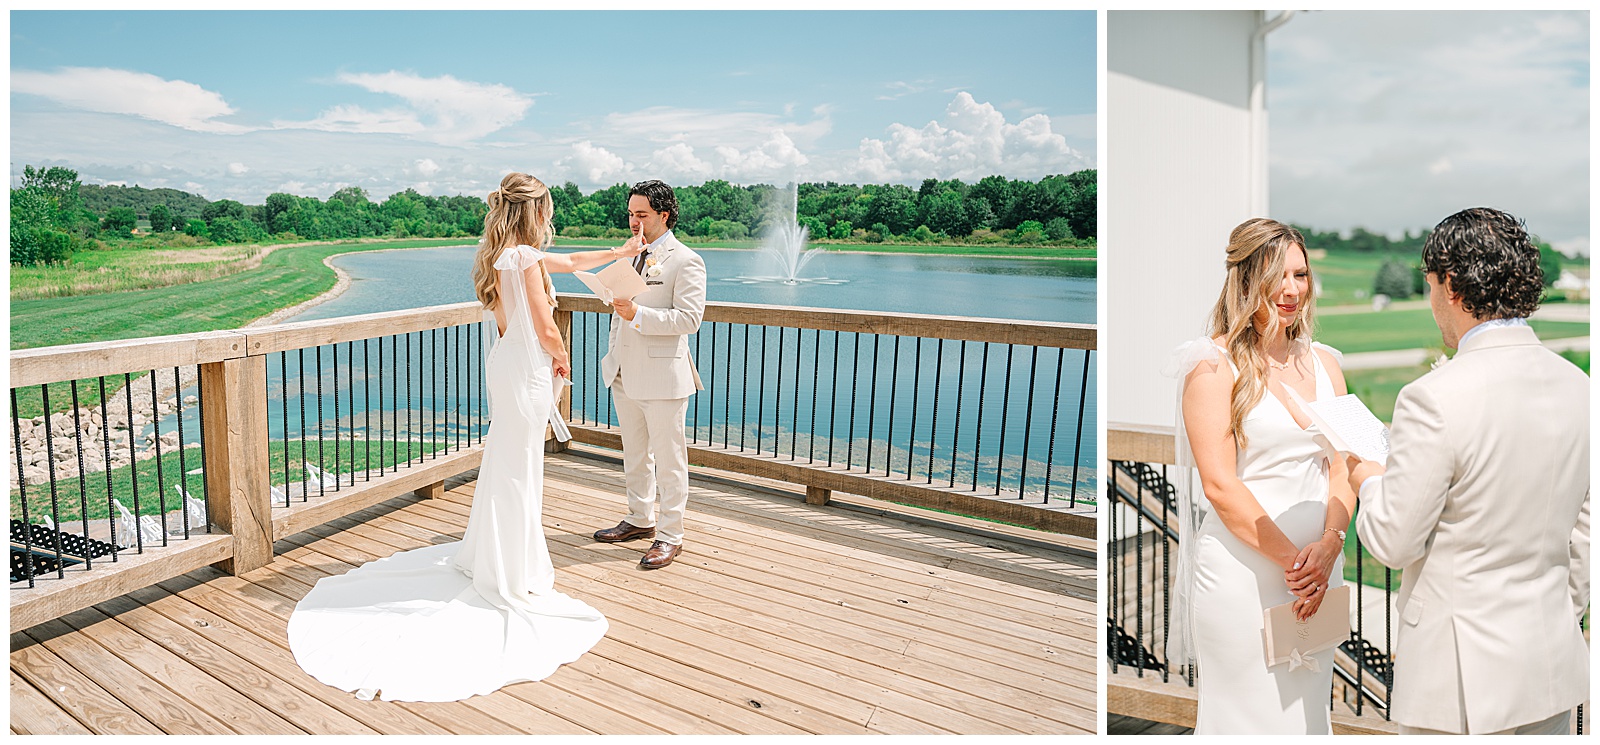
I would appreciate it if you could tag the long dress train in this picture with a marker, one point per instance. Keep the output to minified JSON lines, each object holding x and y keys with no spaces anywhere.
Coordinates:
{"x":449,"y":621}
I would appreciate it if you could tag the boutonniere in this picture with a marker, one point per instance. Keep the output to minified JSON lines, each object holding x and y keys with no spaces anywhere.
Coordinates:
{"x":652,"y":267}
{"x":1439,"y":362}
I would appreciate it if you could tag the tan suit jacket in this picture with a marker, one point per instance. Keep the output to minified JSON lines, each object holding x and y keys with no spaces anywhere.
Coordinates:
{"x":655,"y":360}
{"x":1485,"y":509}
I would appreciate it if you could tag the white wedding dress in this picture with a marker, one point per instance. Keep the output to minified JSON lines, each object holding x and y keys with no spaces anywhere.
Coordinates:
{"x":450,"y":621}
{"x":1285,"y":469}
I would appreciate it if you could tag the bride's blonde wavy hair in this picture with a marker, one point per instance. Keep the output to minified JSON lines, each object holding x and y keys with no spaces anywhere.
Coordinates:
{"x":1244,"y":312}
{"x":520,"y":212}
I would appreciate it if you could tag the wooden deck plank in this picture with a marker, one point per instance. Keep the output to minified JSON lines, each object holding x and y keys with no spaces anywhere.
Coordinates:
{"x":187,"y":680}
{"x":296,"y":706}
{"x":992,"y":633}
{"x":779,"y":618}
{"x":32,"y":713}
{"x":117,"y":686}
{"x":245,"y":643}
{"x":354,"y":537}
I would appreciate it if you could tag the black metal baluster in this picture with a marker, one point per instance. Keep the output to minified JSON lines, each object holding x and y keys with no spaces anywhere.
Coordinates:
{"x":1027,"y":422}
{"x":1077,"y":447}
{"x":300,"y":388}
{"x":1138,"y":569}
{"x":894,"y":386}
{"x":1114,"y":567}
{"x":449,"y":403}
{"x":694,"y":414}
{"x":983,"y":386}
{"x":744,"y":389}
{"x":761,"y":388}
{"x":727,"y":384}
{"x":105,"y":434}
{"x":855,"y":373}
{"x":322,"y":468}
{"x":433,"y":401}
{"x":933,"y":427}
{"x":335,"y":352}
{"x":409,"y":403}
{"x":183,"y":468}
{"x":816,"y":380}
{"x":955,"y":437}
{"x":382,"y":440}
{"x":1388,"y":640}
{"x":872,"y":400}
{"x":916,"y":387}
{"x":833,"y":395}
{"x":778,"y":394}
{"x":161,"y":479}
{"x":1055,"y":408}
{"x":50,"y":463}
{"x":83,"y":478}
{"x":283,"y":406}
{"x":1005,"y":409}
{"x":22,"y":482}
{"x":794,"y":416}
{"x":350,"y":395}
{"x":1360,"y":621}
{"x":366,"y":403}
{"x":200,"y":417}
{"x":133,"y":459}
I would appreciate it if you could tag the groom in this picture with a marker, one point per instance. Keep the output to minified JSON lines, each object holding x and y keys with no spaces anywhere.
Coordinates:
{"x":1485,"y":502}
{"x":651,"y":375}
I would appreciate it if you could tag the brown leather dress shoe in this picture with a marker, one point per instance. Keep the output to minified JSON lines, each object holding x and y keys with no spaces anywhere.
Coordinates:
{"x":623,"y":532}
{"x":660,"y":554}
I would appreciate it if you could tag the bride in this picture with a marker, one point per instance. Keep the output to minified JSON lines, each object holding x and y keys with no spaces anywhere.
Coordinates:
{"x":1270,"y":529}
{"x":445,"y":622}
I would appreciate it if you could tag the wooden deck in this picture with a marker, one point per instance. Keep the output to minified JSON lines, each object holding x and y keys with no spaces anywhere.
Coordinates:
{"x":779,"y":617}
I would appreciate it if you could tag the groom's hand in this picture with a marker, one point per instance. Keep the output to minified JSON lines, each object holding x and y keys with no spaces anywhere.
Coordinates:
{"x":1361,"y":470}
{"x":625,"y":308}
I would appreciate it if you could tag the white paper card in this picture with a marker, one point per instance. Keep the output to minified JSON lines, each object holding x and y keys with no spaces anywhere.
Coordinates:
{"x":619,"y":279}
{"x":1348,"y":424}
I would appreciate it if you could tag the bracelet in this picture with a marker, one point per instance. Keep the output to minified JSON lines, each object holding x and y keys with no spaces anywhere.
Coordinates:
{"x":1335,"y":531}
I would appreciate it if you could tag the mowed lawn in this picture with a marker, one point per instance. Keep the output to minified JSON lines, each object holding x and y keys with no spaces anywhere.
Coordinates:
{"x":1407,"y":329}
{"x":286,"y":277}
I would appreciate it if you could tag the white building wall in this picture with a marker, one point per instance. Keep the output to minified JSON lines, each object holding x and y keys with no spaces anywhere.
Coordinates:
{"x":1179,"y":171}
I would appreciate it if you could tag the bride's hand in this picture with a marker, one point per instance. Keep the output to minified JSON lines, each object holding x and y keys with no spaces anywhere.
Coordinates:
{"x":632,"y":248}
{"x":561,"y":368}
{"x":1307,"y":607}
{"x":1313,"y":565}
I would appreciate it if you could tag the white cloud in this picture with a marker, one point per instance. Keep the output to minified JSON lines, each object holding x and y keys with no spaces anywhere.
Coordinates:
{"x":677,"y":163}
{"x":427,"y":167}
{"x":105,"y":90}
{"x":973,"y":141}
{"x":237,"y":169}
{"x":442,"y":109}
{"x":596,"y":164}
{"x":708,"y":128}
{"x":776,"y":160}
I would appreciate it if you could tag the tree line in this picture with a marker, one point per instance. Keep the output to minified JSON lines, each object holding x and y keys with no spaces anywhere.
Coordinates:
{"x":53,"y":213}
{"x":1400,"y":274}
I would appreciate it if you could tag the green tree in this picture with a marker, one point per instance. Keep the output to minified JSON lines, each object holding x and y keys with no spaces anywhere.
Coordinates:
{"x":40,"y":245}
{"x":922,"y":234}
{"x":814,"y":226}
{"x":588,"y":213}
{"x":119,"y":221}
{"x":160,"y":219}
{"x":1549,"y":264}
{"x":946,"y":213}
{"x":1058,"y":229}
{"x":197,"y":228}
{"x":841,"y":230}
{"x":224,"y":208}
{"x":1393,"y":279}
{"x":1030,"y":231}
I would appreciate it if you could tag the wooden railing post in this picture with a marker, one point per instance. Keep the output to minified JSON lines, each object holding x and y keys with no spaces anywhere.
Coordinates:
{"x":564,"y":325}
{"x":238,"y":497}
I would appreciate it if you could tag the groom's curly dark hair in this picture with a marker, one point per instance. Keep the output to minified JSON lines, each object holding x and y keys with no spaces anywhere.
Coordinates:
{"x":1490,"y":260}
{"x":661,"y":198}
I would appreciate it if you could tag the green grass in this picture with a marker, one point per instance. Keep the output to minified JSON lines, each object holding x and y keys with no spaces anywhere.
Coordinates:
{"x":1346,"y":278}
{"x":1379,"y":388}
{"x":287,"y":277}
{"x":70,"y":496}
{"x":1407,"y":329}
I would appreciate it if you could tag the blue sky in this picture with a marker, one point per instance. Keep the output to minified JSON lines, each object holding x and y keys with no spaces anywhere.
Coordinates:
{"x":242,"y":104}
{"x":1394,"y":120}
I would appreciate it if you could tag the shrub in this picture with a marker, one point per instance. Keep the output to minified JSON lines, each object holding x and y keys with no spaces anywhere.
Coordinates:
{"x":840,"y":231}
{"x":40,"y":246}
{"x":197,"y":229}
{"x":922,"y":234}
{"x":1393,"y":279}
{"x":1058,"y":230}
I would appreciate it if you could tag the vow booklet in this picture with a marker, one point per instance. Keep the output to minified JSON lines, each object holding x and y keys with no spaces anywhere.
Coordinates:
{"x":1285,"y":636}
{"x":616,"y":280}
{"x":1348,"y":424}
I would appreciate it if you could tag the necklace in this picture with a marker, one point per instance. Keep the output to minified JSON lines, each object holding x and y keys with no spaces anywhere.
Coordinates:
{"x":1284,"y":365}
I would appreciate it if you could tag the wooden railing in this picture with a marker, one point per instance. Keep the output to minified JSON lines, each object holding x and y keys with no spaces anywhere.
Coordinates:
{"x":248,"y":478}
